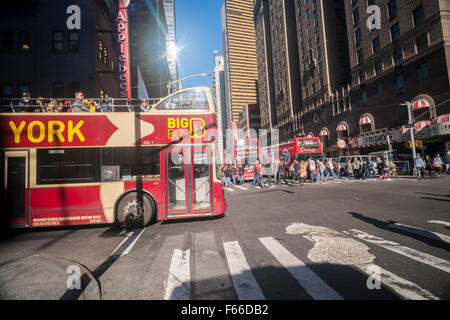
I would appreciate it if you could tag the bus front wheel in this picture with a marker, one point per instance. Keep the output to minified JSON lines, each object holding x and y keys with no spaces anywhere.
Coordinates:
{"x":135,"y":208}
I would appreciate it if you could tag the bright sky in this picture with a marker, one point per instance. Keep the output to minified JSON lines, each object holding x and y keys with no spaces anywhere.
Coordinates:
{"x":199,"y":33}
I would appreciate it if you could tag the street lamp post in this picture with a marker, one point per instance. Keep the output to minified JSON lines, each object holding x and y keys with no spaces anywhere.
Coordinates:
{"x":170,"y":83}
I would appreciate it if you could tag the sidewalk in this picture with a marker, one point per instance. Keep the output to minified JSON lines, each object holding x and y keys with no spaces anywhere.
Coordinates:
{"x":46,"y":278}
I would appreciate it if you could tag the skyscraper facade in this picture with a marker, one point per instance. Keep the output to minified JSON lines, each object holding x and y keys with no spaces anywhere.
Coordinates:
{"x":171,"y":42}
{"x":220,"y":100}
{"x":241,"y":71}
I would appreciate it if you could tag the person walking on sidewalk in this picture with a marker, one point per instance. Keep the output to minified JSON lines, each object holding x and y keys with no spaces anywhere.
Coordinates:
{"x":420,"y":167}
{"x":312,"y":169}
{"x":429,"y":164}
{"x":437,"y":161}
{"x":241,"y":171}
{"x":282,"y":173}
{"x":257,"y":175}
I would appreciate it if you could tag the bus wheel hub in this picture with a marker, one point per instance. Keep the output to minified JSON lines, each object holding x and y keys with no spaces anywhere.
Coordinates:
{"x":134,"y":210}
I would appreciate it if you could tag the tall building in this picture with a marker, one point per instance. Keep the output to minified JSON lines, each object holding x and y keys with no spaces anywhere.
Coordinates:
{"x":278,"y":61}
{"x":239,"y":46}
{"x":171,"y":42}
{"x":148,"y":51}
{"x":40,"y":55}
{"x":220,"y":100}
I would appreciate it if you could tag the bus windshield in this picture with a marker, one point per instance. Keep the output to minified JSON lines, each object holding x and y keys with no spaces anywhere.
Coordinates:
{"x":191,"y":99}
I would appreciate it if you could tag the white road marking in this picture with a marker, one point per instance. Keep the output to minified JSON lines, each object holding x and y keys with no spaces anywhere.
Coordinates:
{"x":124,"y":248}
{"x":430,"y":260}
{"x":312,"y":283}
{"x":331,"y":246}
{"x":242,"y":188}
{"x":403,"y":287}
{"x":440,"y":222}
{"x":179,"y":281}
{"x":246,"y":286}
{"x":421,"y":232}
{"x":229,"y":189}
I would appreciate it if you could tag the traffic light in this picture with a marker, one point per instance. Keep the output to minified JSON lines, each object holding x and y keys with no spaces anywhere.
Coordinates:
{"x":418,"y":143}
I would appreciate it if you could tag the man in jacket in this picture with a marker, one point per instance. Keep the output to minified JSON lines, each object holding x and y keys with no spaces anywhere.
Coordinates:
{"x":24,"y":105}
{"x":312,"y":169}
{"x":257,"y":175}
{"x":419,"y":165}
{"x":78,"y":105}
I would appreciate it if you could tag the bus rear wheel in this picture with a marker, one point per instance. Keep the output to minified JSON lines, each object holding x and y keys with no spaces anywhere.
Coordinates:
{"x":135,"y":208}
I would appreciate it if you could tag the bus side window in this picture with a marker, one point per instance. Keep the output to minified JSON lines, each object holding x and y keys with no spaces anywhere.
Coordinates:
{"x":77,"y":165}
{"x":133,"y":163}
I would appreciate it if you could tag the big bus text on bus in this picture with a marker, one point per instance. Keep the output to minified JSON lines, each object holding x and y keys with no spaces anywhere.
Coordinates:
{"x":63,"y":169}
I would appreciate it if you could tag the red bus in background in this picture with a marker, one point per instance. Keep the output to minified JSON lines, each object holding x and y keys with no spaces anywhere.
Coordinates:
{"x":67,"y":169}
{"x":299,"y":148}
{"x":246,"y":152}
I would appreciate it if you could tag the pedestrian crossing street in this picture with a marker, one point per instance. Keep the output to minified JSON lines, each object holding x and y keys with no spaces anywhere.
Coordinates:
{"x":203,"y":266}
{"x":248,"y":186}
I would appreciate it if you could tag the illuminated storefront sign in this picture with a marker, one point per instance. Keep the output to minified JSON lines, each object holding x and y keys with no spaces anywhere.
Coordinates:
{"x":123,"y":54}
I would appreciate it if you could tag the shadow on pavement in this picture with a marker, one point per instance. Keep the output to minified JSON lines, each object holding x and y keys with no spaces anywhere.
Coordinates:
{"x":384,"y":225}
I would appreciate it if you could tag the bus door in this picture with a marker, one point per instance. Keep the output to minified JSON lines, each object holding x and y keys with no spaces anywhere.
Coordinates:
{"x":16,"y":187}
{"x":201,"y":180}
{"x":188,"y":180}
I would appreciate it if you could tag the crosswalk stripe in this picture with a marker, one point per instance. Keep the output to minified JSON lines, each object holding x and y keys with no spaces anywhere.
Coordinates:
{"x":312,"y":283}
{"x":430,"y":260}
{"x":229,"y":189}
{"x":242,"y":188}
{"x":211,"y":276}
{"x":403,"y":287}
{"x":179,"y":282}
{"x":128,"y":243}
{"x":246,"y":286}
{"x":421,"y":232}
{"x":440,"y":222}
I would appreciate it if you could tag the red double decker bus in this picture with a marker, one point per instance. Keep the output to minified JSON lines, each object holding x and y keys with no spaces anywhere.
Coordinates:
{"x":299,"y":148}
{"x":66,"y":169}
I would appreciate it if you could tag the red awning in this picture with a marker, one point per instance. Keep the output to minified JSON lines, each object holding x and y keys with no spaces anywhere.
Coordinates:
{"x":441,"y":119}
{"x":365,"y":120}
{"x":341,"y":127}
{"x":417,"y":127}
{"x":323,"y":133}
{"x":420,"y":104}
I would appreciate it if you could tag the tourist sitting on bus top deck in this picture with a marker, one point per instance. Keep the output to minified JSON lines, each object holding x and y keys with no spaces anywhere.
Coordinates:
{"x":39,"y":105}
{"x":24,"y":104}
{"x":78,"y":105}
{"x":144,"y":106}
{"x":107,"y":105}
{"x":53,"y":106}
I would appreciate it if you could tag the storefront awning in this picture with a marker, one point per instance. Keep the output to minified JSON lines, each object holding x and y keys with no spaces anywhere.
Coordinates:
{"x":323,"y":133}
{"x":365,"y":120}
{"x":441,"y":119}
{"x":417,"y":127}
{"x":341,"y":127}
{"x":420,"y":104}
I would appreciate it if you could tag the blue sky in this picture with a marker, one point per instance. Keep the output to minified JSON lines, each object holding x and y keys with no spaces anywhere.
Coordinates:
{"x":199,"y":33}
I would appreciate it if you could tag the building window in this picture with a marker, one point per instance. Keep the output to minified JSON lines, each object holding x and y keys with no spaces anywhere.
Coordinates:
{"x":74,"y":41}
{"x":24,"y":41}
{"x":395,"y":31}
{"x":58,"y":89}
{"x":422,"y":42}
{"x":7,"y":90}
{"x":362,"y":76}
{"x":7,"y":41}
{"x":398,"y":56}
{"x":316,"y":21}
{"x":24,"y":87}
{"x":356,"y":17}
{"x":380,"y":89}
{"x":317,"y":36}
{"x":424,"y":72}
{"x":400,"y":81}
{"x":360,"y":56}
{"x":392,"y":9}
{"x":58,"y":41}
{"x":376,"y":45}
{"x":358,"y":36}
{"x":378,"y":67}
{"x":364,"y":96}
{"x":418,"y":15}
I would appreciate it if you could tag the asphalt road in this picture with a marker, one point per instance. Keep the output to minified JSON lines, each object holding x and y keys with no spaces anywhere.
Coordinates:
{"x":349,"y":240}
